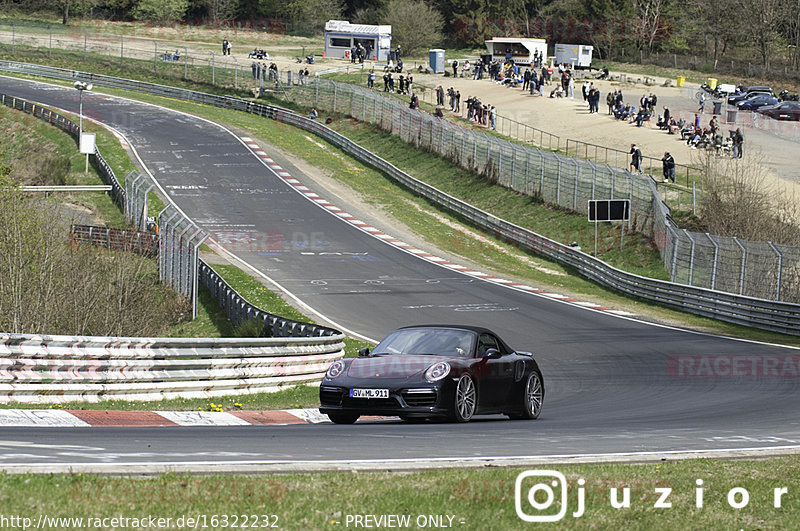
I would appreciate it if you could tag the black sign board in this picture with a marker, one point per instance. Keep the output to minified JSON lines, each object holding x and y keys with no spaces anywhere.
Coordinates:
{"x":609,"y":210}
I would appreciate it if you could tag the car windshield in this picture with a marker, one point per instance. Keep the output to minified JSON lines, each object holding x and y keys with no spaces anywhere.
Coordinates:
{"x":428,"y":341}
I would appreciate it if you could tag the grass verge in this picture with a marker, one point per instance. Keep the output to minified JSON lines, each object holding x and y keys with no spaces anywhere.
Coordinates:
{"x":294,"y":397}
{"x":461,"y":498}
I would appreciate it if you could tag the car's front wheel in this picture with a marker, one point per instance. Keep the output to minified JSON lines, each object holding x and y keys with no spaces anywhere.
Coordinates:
{"x":532,"y":399}
{"x":343,"y":418}
{"x":466,"y":399}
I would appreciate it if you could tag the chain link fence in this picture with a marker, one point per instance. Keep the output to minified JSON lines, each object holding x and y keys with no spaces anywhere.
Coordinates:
{"x":565,"y":181}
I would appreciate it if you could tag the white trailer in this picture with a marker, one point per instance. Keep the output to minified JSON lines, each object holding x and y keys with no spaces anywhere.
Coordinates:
{"x":577,"y":55}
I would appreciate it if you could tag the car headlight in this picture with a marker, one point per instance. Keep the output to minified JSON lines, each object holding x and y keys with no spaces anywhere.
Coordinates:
{"x":437,"y":371}
{"x":336,"y":368}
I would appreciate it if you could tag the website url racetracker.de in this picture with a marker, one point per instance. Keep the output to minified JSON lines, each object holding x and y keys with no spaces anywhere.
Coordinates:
{"x":200,"y":521}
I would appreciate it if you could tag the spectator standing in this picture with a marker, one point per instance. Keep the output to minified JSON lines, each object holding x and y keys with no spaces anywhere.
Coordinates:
{"x":571,"y":87}
{"x":610,"y":102}
{"x":493,"y":117}
{"x":224,"y":46}
{"x":455,"y":67}
{"x":668,"y":164}
{"x":702,"y":103}
{"x":738,"y":143}
{"x":229,"y":47}
{"x":458,"y":101}
{"x":371,"y":79}
{"x":636,"y":159}
{"x":714,"y":125}
{"x":440,"y":96}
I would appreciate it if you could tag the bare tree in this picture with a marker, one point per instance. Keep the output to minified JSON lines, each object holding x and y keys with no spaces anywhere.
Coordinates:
{"x":717,"y":21}
{"x":648,"y":13}
{"x":415,"y":24}
{"x":741,"y":201}
{"x":763,"y":18}
{"x":221,"y":11}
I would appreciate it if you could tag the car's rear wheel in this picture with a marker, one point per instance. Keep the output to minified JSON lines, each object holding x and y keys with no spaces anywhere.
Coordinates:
{"x":532,"y":399}
{"x":343,"y":418}
{"x":466,"y":399}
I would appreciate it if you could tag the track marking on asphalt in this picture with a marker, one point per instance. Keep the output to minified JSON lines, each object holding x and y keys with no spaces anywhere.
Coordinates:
{"x":397,"y":464}
{"x":514,"y":285}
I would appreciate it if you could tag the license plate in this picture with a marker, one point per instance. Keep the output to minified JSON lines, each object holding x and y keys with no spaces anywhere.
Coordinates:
{"x":369,"y":393}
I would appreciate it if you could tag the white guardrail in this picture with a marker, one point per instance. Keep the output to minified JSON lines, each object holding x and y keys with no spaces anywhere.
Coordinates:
{"x":53,"y":369}
{"x":750,"y":311}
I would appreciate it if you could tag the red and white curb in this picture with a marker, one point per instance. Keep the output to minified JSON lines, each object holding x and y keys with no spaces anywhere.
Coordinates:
{"x":391,"y":240}
{"x":85,"y":418}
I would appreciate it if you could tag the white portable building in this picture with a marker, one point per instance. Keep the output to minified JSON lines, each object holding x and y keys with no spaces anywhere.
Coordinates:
{"x":341,"y":37}
{"x":577,"y":55}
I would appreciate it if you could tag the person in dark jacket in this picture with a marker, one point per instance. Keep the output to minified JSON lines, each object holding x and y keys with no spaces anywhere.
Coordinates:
{"x":636,"y":159}
{"x":668,"y":163}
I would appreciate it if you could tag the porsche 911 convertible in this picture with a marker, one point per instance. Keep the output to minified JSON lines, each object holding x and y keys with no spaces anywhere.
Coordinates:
{"x":441,"y":371}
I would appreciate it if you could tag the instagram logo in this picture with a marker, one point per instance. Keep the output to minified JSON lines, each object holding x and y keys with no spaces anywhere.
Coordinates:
{"x":541,"y":495}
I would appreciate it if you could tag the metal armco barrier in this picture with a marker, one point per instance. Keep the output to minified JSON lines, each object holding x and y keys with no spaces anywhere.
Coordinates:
{"x":54,"y":369}
{"x":71,"y":127}
{"x":758,"y":312}
{"x":239,"y":310}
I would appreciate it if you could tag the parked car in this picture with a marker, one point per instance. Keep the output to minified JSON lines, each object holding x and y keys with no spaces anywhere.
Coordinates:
{"x":787,"y":110}
{"x":441,"y":371}
{"x":754,"y":102}
{"x":736,"y":98}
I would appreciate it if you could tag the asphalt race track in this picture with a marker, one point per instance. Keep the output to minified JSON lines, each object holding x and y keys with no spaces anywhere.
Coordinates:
{"x":613,"y":384}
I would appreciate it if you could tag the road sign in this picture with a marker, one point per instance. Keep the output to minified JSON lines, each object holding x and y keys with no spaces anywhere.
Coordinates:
{"x":609,"y":210}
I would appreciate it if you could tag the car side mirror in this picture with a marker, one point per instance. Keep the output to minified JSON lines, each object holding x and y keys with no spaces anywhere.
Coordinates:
{"x":364,"y":352}
{"x":492,"y":354}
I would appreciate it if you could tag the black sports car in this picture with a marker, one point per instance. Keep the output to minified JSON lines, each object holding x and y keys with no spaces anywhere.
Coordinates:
{"x":434,"y":371}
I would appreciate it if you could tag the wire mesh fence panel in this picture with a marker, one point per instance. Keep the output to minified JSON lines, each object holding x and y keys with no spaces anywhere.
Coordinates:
{"x":762,"y":271}
{"x":790,"y":272}
{"x":727,"y":271}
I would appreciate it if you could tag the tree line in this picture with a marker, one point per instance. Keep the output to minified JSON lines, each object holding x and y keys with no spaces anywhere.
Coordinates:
{"x":764,"y":31}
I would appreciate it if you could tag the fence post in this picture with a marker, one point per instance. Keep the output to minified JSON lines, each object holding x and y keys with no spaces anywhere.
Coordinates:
{"x":714,"y":264}
{"x":527,"y":171}
{"x":691,"y":259}
{"x":541,"y":177}
{"x":558,"y":182}
{"x":675,"y":243}
{"x":779,"y":271}
{"x":577,"y":178}
{"x":334,"y":99}
{"x":744,"y":262}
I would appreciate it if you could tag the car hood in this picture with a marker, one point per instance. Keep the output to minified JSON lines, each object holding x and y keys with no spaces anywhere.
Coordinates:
{"x":389,"y":366}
